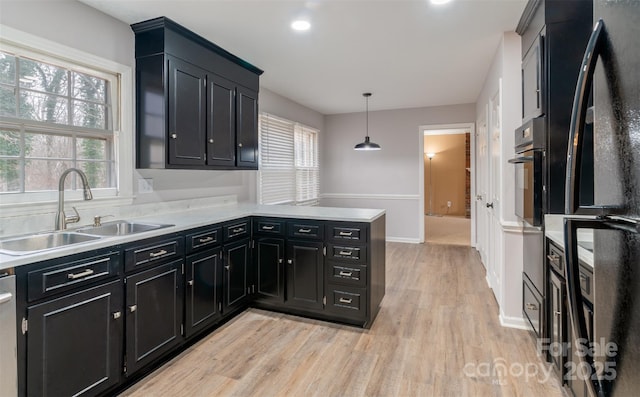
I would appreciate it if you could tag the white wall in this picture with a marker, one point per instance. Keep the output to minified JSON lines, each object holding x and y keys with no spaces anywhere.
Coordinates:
{"x":506,"y":66}
{"x":389,"y":178}
{"x":81,"y":27}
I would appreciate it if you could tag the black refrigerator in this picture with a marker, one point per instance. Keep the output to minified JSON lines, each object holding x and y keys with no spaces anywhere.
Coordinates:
{"x":608,"y":95}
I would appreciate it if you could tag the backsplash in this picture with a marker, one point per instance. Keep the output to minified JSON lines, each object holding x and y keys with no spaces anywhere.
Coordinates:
{"x":39,"y":221}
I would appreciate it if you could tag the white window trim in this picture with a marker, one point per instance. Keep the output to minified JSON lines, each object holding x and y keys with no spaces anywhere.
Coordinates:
{"x":123,"y":136}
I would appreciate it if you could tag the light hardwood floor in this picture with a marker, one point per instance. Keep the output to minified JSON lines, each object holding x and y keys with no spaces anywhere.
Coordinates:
{"x":437,"y":334}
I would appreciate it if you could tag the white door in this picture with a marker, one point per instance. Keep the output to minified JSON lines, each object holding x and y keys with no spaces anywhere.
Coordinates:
{"x":482,"y":187}
{"x":493,"y":202}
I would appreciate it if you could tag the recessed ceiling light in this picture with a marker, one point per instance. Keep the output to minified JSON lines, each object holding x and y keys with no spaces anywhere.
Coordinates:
{"x":300,"y":25}
{"x":439,"y":2}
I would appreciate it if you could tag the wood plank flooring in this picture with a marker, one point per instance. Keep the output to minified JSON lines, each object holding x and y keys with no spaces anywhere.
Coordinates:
{"x":437,"y":334}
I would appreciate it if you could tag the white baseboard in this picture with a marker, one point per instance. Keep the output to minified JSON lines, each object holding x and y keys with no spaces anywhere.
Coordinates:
{"x":514,"y":322}
{"x":403,"y":240}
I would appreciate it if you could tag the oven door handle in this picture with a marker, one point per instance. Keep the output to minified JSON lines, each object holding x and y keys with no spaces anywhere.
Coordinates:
{"x":520,"y":160}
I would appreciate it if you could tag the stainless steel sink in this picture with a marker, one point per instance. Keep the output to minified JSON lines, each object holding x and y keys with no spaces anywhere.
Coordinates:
{"x":120,"y":228}
{"x":40,"y":242}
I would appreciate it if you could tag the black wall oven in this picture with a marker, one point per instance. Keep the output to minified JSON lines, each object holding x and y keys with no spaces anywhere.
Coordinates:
{"x":528,"y":160}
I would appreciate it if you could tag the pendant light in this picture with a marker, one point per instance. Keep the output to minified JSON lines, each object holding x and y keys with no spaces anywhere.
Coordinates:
{"x":367,"y":144}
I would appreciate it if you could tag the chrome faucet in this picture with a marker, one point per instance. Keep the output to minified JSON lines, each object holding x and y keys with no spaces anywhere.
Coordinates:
{"x":61,"y":218}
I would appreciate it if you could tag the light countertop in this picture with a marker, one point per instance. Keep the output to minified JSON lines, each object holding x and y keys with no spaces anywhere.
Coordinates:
{"x":184,"y":220}
{"x":554,"y":230}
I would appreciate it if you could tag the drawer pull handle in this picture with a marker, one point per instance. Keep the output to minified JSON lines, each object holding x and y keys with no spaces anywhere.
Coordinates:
{"x":346,"y":274}
{"x":133,"y":308}
{"x":531,"y":306}
{"x":206,"y":239}
{"x":304,"y":230}
{"x":190,"y":282}
{"x":346,"y":253}
{"x":346,"y":233}
{"x":157,"y":254}
{"x":116,"y":315}
{"x":238,"y":230}
{"x":348,"y":301}
{"x":267,"y":227}
{"x":87,"y":272}
{"x":6,"y":297}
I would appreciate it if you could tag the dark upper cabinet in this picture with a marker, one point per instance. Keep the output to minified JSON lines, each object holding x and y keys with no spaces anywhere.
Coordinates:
{"x":221,"y":124}
{"x":554,"y":36}
{"x":247,"y":127}
{"x":187,"y":113}
{"x":196,"y":104}
{"x":75,"y":343}
{"x":305,"y":274}
{"x":532,"y":94}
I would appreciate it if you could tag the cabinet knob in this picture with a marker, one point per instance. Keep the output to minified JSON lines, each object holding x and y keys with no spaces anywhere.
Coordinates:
{"x":531,"y":306}
{"x":239,"y":145}
{"x":489,"y":205}
{"x":290,"y":261}
{"x":211,"y":140}
{"x":279,"y":260}
{"x":116,"y":315}
{"x":133,"y":308}
{"x":190,"y":282}
{"x":174,"y":136}
{"x":227,"y":267}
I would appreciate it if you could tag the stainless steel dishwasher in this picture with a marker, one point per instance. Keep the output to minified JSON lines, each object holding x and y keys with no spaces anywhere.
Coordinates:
{"x":8,"y":340}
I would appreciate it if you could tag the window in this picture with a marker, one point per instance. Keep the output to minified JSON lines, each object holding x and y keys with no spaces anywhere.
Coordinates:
{"x":55,"y":115}
{"x":289,"y":172}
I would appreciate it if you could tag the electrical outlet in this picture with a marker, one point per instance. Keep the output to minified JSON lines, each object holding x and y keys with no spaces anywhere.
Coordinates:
{"x":145,"y":185}
{"x":448,"y":204}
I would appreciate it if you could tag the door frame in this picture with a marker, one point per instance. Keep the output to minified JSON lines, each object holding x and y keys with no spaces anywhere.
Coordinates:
{"x":422,"y":131}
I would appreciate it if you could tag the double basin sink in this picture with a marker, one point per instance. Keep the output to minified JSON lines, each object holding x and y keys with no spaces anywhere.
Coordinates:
{"x":44,"y":241}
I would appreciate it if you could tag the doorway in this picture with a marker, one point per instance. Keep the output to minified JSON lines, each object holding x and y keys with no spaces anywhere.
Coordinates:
{"x":447,"y":184}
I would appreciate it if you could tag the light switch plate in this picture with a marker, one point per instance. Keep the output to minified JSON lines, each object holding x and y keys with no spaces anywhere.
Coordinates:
{"x":145,"y":185}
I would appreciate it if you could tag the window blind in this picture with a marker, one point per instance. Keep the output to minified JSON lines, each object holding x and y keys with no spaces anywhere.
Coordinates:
{"x":288,"y":162}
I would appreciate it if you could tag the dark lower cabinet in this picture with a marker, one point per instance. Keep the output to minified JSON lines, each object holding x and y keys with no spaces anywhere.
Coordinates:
{"x":74,"y":345}
{"x":305,"y":274}
{"x":154,"y":302}
{"x":237,"y":274}
{"x":557,"y":321}
{"x":270,"y":269}
{"x":203,"y":292}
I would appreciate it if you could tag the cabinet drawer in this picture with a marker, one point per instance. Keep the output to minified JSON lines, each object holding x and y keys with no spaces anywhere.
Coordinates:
{"x":353,"y":233}
{"x":268,"y":226}
{"x":349,"y":302}
{"x":338,"y":273}
{"x":357,"y":254}
{"x":555,"y":257}
{"x":236,"y":230}
{"x":586,"y":283}
{"x":306,"y":229}
{"x":54,"y":279}
{"x":151,"y":253}
{"x":203,"y":239}
{"x":532,"y":307}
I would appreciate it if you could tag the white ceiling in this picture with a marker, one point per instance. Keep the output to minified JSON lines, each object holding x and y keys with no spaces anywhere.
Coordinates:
{"x":407,"y":53}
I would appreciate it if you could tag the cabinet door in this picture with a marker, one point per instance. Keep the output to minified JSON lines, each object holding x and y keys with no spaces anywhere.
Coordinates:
{"x":532,"y":81}
{"x":557,"y":322}
{"x":270,"y":269}
{"x":74,"y":344}
{"x":247,"y":128}
{"x":305,"y":278}
{"x":221,"y":122}
{"x":203,"y":286}
{"x":187,"y":113}
{"x":236,"y":288}
{"x":154,"y":314}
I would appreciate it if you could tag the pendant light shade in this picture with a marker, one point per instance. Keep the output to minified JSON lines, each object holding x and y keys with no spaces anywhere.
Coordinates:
{"x":367,"y":144}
